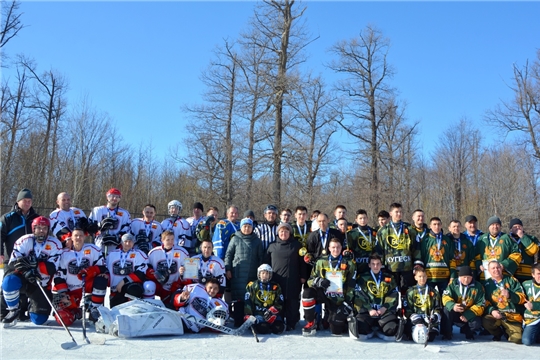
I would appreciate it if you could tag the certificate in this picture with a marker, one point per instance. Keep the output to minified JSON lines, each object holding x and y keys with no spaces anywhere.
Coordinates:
{"x":485,"y":264}
{"x":336,"y":282}
{"x":191,"y":268}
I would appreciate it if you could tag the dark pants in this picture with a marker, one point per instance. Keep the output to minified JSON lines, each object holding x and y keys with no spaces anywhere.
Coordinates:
{"x":454,"y":318}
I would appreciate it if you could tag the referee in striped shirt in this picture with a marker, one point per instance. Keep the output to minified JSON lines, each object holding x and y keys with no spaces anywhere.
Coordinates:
{"x":267,"y":230}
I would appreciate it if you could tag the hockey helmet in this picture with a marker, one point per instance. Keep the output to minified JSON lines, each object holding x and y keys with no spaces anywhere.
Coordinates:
{"x":217,"y":315}
{"x":419,"y":334}
{"x":264,"y":267}
{"x":114,"y":191}
{"x":149,"y":289}
{"x":41,"y":221}
{"x":175,"y":203}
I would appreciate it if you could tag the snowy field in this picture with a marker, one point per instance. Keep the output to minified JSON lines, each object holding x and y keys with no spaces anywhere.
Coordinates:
{"x":29,"y":341}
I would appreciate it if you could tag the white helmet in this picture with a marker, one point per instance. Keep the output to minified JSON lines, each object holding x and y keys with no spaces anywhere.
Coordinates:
{"x":264,"y":267}
{"x":419,"y":334}
{"x":217,"y":315}
{"x":175,"y":203}
{"x":149,"y":289}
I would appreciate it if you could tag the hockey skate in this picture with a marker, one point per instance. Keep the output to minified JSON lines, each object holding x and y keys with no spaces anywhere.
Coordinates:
{"x":310,"y":328}
{"x":10,"y":319}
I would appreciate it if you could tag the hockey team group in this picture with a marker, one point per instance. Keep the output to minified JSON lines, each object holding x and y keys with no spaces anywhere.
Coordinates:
{"x":396,"y":281}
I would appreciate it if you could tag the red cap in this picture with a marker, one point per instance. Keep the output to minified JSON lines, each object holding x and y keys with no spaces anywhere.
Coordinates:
{"x":114,"y":191}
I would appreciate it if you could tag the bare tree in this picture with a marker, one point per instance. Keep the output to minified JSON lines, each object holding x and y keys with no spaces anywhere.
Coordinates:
{"x":11,"y":24}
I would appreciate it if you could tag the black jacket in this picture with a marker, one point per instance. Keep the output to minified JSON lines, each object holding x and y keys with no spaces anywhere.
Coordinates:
{"x":14,"y":225}
{"x":314,"y":243}
{"x":287,"y":265}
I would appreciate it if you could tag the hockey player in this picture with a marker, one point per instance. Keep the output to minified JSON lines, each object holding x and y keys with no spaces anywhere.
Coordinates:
{"x":146,"y":230}
{"x":127,"y":271}
{"x":80,"y":260}
{"x":210,"y":266}
{"x":113,"y":221}
{"x":34,"y":258}
{"x":528,"y":247}
{"x":331,"y":283}
{"x":382,"y":219}
{"x":531,"y":321}
{"x":471,"y":229}
{"x":301,"y":227}
{"x":464,"y":303}
{"x":201,"y":301}
{"x":225,"y":229}
{"x":264,"y":300}
{"x":340,"y":212}
{"x":64,"y":218}
{"x":418,"y":230}
{"x":205,"y":229}
{"x":267,"y":230}
{"x":397,"y":246}
{"x":376,"y":300}
{"x":464,"y":251}
{"x":362,"y":241}
{"x":496,"y":245}
{"x":435,"y":253}
{"x":423,"y":309}
{"x":180,"y":227}
{"x":504,"y":297}
{"x":165,"y":266}
{"x":193,"y":221}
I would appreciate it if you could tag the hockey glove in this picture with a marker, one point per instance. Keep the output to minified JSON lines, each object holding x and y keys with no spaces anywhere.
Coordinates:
{"x":110,"y":240}
{"x":82,"y":223}
{"x":92,"y":227}
{"x":322,"y":283}
{"x":209,"y":221}
{"x":90,"y":272}
{"x":25,"y":263}
{"x":107,"y":224}
{"x":348,"y":254}
{"x":161,"y":276}
{"x":32,"y":275}
{"x":435,"y":318}
{"x":271,"y":314}
{"x":144,"y":246}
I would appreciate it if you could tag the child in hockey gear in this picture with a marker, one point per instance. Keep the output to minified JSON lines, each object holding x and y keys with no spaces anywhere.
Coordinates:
{"x":264,"y":301}
{"x":75,"y":262}
{"x":423,"y":309}
{"x":34,"y":258}
{"x":504,"y":300}
{"x":201,"y":301}
{"x":331,"y":283}
{"x":531,"y":330}
{"x":166,"y":266}
{"x":376,"y":301}
{"x":464,"y":303}
{"x":127,"y":271}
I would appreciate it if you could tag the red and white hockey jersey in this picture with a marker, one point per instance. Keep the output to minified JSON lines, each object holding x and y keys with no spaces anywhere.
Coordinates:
{"x":61,"y":219}
{"x":168,"y":261}
{"x":72,"y":262}
{"x":126,"y":264}
{"x":199,"y":304}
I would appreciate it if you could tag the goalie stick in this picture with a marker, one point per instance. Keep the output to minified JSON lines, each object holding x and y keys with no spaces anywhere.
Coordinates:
{"x":402,"y":318}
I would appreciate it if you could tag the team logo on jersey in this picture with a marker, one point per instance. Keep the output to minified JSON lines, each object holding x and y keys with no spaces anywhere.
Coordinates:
{"x":398,"y":243}
{"x":154,"y":226}
{"x":377,"y":292}
{"x":211,"y":266}
{"x":47,"y":247}
{"x":176,"y":255}
{"x":174,"y":225}
{"x":501,"y":301}
{"x":216,"y":303}
{"x":132,"y":256}
{"x":435,"y":253}
{"x":87,"y":252}
{"x":492,"y":253}
{"x":76,"y":212}
{"x":423,"y":305}
{"x":365,"y":244}
{"x":119,"y":213}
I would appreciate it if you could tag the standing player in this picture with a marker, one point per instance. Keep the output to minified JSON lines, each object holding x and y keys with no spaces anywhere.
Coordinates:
{"x":362,"y":241}
{"x":301,"y":227}
{"x":382,"y":219}
{"x":113,"y":221}
{"x":34,"y":258}
{"x":180,"y":227}
{"x":264,"y":300}
{"x":75,"y":262}
{"x":127,"y":270}
{"x":193,"y":221}
{"x":225,"y":229}
{"x":418,"y":230}
{"x":146,"y":230}
{"x":471,"y":229}
{"x":202,"y":302}
{"x":64,"y":218}
{"x":165,"y":264}
{"x":464,"y":251}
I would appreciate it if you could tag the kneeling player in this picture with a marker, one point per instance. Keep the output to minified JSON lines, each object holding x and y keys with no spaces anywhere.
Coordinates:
{"x":82,"y":261}
{"x":376,"y":301}
{"x":423,"y":309}
{"x":34,"y":259}
{"x":200,"y":301}
{"x":264,"y":300}
{"x":331,"y":283}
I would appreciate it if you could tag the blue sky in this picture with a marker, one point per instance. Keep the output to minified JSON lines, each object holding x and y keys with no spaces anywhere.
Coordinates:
{"x":141,"y":61}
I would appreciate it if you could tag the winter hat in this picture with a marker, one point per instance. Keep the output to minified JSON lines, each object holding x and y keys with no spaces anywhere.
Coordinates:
{"x":465,"y":270}
{"x":249,"y":213}
{"x":286,"y":226}
{"x":493,"y":220}
{"x":513,"y":222}
{"x":127,"y":237}
{"x":198,"y":205}
{"x":246,"y":221}
{"x":24,"y":194}
{"x":271,"y":208}
{"x":470,"y":218}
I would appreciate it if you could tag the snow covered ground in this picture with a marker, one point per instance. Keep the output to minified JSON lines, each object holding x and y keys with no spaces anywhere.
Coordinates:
{"x":29,"y":341}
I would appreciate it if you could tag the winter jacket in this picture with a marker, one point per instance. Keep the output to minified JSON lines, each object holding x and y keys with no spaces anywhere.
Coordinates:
{"x":14,"y":225}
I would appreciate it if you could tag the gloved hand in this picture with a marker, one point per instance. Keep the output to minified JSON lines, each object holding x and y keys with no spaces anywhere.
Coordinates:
{"x":144,"y":246}
{"x":435,"y":318}
{"x":271,"y":314}
{"x":107,"y":224}
{"x":92,"y":227}
{"x":32,"y":275}
{"x":110,"y":239}
{"x":82,"y":223}
{"x":90,"y":272}
{"x":209,"y":221}
{"x":25,"y":263}
{"x":348,"y":254}
{"x":321,"y":283}
{"x":417,"y":319}
{"x":161,"y":276}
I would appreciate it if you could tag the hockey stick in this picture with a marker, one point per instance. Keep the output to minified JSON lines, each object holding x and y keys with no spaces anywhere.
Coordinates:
{"x":402,"y":319}
{"x":430,"y":326}
{"x":84,"y":309}
{"x":68,"y":345}
{"x":254,"y":333}
{"x":224,"y":329}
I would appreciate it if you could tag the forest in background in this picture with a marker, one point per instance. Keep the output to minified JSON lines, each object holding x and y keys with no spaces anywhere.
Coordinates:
{"x":268,"y":132}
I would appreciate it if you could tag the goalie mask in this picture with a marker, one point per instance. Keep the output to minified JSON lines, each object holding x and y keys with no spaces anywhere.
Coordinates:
{"x":174,"y":204}
{"x":419,"y":334}
{"x":217,"y":315}
{"x":264,"y":273}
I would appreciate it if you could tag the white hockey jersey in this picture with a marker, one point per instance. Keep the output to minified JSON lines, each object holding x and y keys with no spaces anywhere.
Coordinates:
{"x":168,"y":260}
{"x":199,"y":304}
{"x":49,"y":250}
{"x":72,"y":262}
{"x":182,"y":231}
{"x":124,"y":264}
{"x":122,"y":221}
{"x":61,"y":219}
{"x":214,"y":267}
{"x":152,"y":230}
